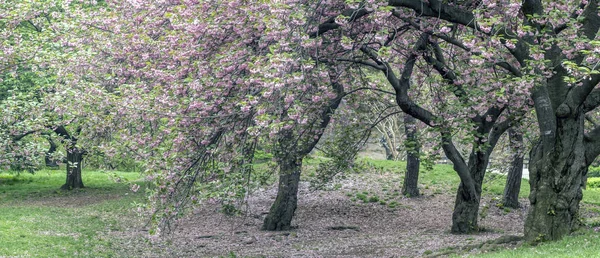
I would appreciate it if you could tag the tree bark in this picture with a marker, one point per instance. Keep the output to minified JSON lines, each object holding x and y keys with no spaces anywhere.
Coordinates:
{"x":282,"y":211}
{"x":466,"y":205}
{"x":556,"y":169}
{"x":74,"y":159}
{"x":466,"y":210}
{"x":49,"y":162}
{"x":411,"y":177}
{"x":512,"y":188}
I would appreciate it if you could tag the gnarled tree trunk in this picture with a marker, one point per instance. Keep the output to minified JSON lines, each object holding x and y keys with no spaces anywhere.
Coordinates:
{"x":466,"y":205}
{"x":510,"y":198}
{"x":556,"y":170}
{"x":74,"y":159}
{"x":282,"y":211}
{"x":411,"y":177}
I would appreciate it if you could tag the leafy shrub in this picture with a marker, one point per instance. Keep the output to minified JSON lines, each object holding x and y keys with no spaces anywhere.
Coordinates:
{"x":593,"y":182}
{"x":594,"y":171}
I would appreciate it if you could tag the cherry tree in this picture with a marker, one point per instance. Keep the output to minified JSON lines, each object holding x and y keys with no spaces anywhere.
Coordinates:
{"x":466,"y":101}
{"x":47,"y":41}
{"x":552,"y":52}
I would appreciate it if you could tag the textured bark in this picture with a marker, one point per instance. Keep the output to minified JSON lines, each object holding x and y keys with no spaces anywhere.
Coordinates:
{"x":466,"y":210}
{"x":510,"y":198}
{"x":282,"y":211}
{"x":556,"y":170}
{"x":74,"y":159}
{"x":411,"y":177}
{"x":466,"y":205}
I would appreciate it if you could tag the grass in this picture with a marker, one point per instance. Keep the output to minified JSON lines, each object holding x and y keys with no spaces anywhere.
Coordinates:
{"x":41,"y":221}
{"x":584,"y":244}
{"x":443,"y":177}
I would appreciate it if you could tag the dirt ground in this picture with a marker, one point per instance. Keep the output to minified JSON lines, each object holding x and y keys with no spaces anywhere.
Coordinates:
{"x":331,"y":224}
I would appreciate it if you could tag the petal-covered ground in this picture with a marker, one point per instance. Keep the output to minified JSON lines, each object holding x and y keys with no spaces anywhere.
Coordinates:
{"x":336,"y":224}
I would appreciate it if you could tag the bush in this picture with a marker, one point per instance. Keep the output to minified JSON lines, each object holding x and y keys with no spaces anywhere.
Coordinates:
{"x":593,"y":182}
{"x":594,"y":171}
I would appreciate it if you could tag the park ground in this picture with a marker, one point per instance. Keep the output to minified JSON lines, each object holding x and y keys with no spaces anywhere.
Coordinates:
{"x":360,"y":215}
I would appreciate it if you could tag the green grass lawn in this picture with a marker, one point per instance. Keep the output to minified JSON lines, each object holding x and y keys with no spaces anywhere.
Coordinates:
{"x":38,"y":220}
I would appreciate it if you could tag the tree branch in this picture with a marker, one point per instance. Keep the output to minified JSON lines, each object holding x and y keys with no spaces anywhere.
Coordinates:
{"x":402,"y":85}
{"x":592,"y":101}
{"x":592,"y":145}
{"x":17,"y":138}
{"x":439,"y":64}
{"x":510,"y":68}
{"x":330,"y":24}
{"x":456,"y":14}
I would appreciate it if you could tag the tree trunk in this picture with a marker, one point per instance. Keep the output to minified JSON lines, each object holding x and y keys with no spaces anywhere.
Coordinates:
{"x":74,"y":159}
{"x":466,"y":210}
{"x":282,"y":211}
{"x":510,"y":197}
{"x":388,"y":153}
{"x":466,"y":206}
{"x":411,"y":177}
{"x":556,"y":169}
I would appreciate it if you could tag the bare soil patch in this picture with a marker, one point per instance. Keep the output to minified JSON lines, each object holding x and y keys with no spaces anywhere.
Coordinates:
{"x":330,"y":224}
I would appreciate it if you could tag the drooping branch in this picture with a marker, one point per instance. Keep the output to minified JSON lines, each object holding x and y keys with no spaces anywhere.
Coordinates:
{"x":579,"y":95}
{"x":446,"y":38}
{"x":510,"y":68}
{"x":436,"y":8}
{"x":496,"y":132}
{"x":439,"y":64}
{"x":462,"y":16}
{"x":62,"y":132}
{"x":330,"y":24}
{"x":362,"y":62}
{"x":325,"y":116}
{"x":17,"y":138}
{"x":558,"y":29}
{"x":591,"y":25}
{"x":592,"y":101}
{"x":401,"y":85}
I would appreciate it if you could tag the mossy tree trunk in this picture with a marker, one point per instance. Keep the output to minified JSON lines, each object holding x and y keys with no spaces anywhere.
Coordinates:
{"x":510,"y":197}
{"x":556,"y":170}
{"x":411,"y":177}
{"x":74,"y":160}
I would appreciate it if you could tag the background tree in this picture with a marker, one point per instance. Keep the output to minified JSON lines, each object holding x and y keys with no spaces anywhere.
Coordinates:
{"x":552,"y":52}
{"x":470,"y":95}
